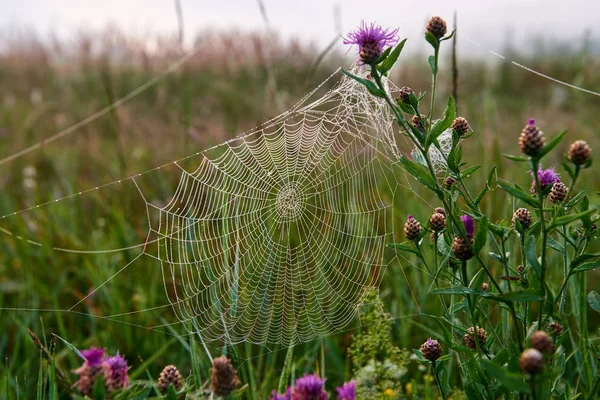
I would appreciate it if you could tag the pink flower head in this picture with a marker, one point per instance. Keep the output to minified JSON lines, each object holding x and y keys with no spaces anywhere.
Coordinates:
{"x":347,"y":391}
{"x":371,"y":34}
{"x":469,"y":224}
{"x":93,"y":356}
{"x":547,"y":177}
{"x":309,"y":387}
{"x":115,"y":373}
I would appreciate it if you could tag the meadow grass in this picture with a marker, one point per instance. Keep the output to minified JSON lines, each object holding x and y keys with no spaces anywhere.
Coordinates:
{"x":218,"y":94}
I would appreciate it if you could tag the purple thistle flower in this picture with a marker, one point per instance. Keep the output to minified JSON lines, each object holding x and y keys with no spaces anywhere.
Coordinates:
{"x":277,"y":396}
{"x":93,"y":356}
{"x":347,"y":391}
{"x":309,"y":387}
{"x":372,"y":39}
{"x":469,"y":224}
{"x":115,"y":373}
{"x":547,"y":177}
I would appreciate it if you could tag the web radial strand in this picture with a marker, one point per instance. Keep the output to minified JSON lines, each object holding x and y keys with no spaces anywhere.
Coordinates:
{"x":277,"y":236}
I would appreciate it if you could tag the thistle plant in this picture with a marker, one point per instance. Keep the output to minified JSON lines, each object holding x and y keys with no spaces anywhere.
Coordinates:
{"x":504,"y":284}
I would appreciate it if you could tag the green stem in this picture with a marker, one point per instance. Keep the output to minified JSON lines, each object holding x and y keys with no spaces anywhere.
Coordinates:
{"x":540,"y":198}
{"x":434,"y":85}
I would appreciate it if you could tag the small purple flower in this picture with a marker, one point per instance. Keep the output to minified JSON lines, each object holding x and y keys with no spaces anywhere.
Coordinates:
{"x":347,"y":391}
{"x":277,"y":396}
{"x":93,"y":356}
{"x":115,"y":373}
{"x":547,"y":177}
{"x":469,"y":224}
{"x":373,"y":38}
{"x":531,"y":122}
{"x":309,"y":387}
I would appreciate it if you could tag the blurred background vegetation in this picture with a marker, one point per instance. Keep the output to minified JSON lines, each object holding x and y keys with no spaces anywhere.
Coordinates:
{"x":235,"y":81}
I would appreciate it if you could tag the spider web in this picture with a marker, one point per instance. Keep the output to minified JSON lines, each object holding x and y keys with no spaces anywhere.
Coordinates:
{"x":278,"y":235}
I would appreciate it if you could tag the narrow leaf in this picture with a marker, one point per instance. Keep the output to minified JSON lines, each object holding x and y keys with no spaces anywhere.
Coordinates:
{"x":552,"y":144}
{"x":419,"y":172}
{"x":443,"y":124}
{"x":482,"y":234}
{"x":389,"y":62}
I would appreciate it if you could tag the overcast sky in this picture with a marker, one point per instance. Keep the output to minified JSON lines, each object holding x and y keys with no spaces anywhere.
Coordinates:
{"x":486,"y":21}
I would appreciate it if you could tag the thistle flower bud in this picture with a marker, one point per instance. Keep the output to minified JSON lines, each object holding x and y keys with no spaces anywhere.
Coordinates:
{"x":470,"y":337}
{"x":520,"y":269}
{"x":437,"y":222}
{"x":460,"y":126}
{"x":555,"y":328}
{"x":440,"y":210}
{"x":558,"y":192}
{"x":579,"y":152}
{"x":449,"y":182}
{"x":405,"y":93}
{"x":532,"y":139}
{"x":542,"y":342}
{"x":484,"y":287}
{"x":523,"y":216}
{"x":224,"y":378}
{"x":437,"y":27}
{"x":532,"y":361}
{"x":431,"y":349}
{"x":461,"y":249}
{"x":416,"y":122}
{"x":169,"y":376}
{"x":412,"y":228}
{"x":369,"y":52}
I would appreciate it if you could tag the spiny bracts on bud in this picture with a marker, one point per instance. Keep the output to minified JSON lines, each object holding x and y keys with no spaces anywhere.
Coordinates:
{"x":460,"y":126}
{"x":532,"y":139}
{"x":431,"y":349}
{"x":404,"y":94}
{"x":523,"y":216}
{"x":169,"y":376}
{"x":449,"y":182}
{"x":461,"y":249}
{"x":532,"y":361}
{"x":555,"y":329}
{"x":437,"y":27}
{"x":520,"y":269}
{"x":416,"y":122}
{"x":470,"y":338}
{"x":558,"y":192}
{"x":542,"y":342}
{"x":412,"y":228}
{"x":440,"y":210}
{"x":369,"y":52}
{"x":224,"y":378}
{"x":437,"y":222}
{"x":579,"y":152}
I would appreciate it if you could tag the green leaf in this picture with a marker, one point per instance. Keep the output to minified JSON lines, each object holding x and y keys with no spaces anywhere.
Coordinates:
{"x":432,"y":40}
{"x":566,"y":219}
{"x":580,"y":259}
{"x":371,"y":87}
{"x":404,"y":247}
{"x":407,"y":108}
{"x":586,"y":267}
{"x":383,"y":56}
{"x":518,"y":192}
{"x":432,"y":65}
{"x":569,"y":169}
{"x":531,"y":255}
{"x":516,"y":158}
{"x":443,"y":124}
{"x":469,"y":171}
{"x":551,"y":145}
{"x":392,"y":58}
{"x":521,"y":295}
{"x":512,"y":381}
{"x":482,"y":234}
{"x":419,"y":172}
{"x":594,"y":300}
{"x":98,"y":391}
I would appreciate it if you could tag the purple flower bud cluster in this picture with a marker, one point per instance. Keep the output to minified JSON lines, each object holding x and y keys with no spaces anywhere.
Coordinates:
{"x":98,"y":364}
